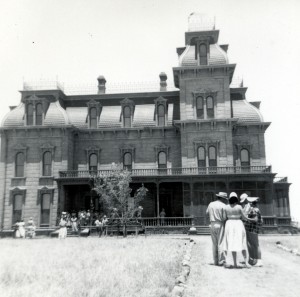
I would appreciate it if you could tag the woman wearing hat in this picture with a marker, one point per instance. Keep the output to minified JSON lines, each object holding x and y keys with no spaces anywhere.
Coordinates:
{"x":235,"y":234}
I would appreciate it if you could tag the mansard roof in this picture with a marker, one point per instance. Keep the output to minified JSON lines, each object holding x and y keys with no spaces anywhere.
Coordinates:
{"x":246,"y":112}
{"x":217,"y":56}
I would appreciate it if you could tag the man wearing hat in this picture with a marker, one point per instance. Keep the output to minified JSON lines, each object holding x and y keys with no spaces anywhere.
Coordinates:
{"x":217,"y":217}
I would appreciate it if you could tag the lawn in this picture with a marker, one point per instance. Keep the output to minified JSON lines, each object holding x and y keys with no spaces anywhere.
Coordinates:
{"x":90,"y":267}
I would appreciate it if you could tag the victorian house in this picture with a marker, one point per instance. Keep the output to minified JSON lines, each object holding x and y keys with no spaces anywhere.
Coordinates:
{"x":184,"y":143}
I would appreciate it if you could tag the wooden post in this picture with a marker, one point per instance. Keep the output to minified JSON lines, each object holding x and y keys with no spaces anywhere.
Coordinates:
{"x":157,"y":198}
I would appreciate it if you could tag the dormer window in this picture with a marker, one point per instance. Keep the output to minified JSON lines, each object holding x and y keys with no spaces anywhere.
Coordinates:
{"x":35,"y":109}
{"x":94,"y":111}
{"x":127,"y":113}
{"x":161,"y":115}
{"x":93,"y":117}
{"x":29,"y":114}
{"x":203,"y":54}
{"x":245,"y":159}
{"x":39,"y":114}
{"x":127,"y":117}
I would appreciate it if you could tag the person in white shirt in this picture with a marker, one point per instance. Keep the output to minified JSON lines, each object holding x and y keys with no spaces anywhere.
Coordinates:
{"x":217,"y":217}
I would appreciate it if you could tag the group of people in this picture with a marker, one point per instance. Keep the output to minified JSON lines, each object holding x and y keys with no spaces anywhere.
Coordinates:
{"x":235,"y":224}
{"x":23,"y":230}
{"x":75,"y":222}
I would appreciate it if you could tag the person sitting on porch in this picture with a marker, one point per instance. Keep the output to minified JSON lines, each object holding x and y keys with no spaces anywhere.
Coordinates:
{"x":88,"y":217}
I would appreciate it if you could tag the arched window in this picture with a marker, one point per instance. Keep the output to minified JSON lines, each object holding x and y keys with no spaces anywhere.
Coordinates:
{"x":93,"y":117}
{"x":210,"y":106}
{"x":245,"y":158}
{"x":212,"y":156}
{"x":203,"y":54}
{"x":162,"y":160}
{"x":19,"y":166}
{"x":161,"y":115}
{"x":201,"y":157}
{"x":29,"y":114}
{"x":39,"y":114}
{"x":199,"y":107}
{"x":17,"y":208}
{"x":127,"y":161}
{"x":127,"y":117}
{"x":47,"y":164}
{"x":93,"y":162}
{"x":45,"y":208}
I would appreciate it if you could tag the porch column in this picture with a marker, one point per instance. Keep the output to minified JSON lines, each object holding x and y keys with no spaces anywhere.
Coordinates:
{"x":191,"y":198}
{"x":157,"y":198}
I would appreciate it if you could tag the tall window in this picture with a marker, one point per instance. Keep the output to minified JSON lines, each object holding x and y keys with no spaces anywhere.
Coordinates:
{"x":161,"y":115}
{"x":203,"y":54}
{"x":245,"y":158}
{"x":201,"y":157}
{"x":127,"y":161}
{"x":19,"y":167}
{"x":93,"y":117}
{"x":47,"y":164}
{"x":162,"y":160}
{"x":45,"y":208}
{"x":210,"y":106}
{"x":199,"y":106}
{"x":29,"y":114}
{"x":93,"y":162}
{"x":39,"y":114}
{"x":127,"y":117}
{"x":17,"y":207}
{"x":212,"y":156}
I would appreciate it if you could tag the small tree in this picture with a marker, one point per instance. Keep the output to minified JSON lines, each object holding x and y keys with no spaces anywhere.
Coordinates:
{"x":115,"y":193}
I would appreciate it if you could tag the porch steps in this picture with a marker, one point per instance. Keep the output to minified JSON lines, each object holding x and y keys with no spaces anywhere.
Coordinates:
{"x":71,"y":234}
{"x":202,"y":230}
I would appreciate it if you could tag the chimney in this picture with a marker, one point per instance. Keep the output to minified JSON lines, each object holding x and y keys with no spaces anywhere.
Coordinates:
{"x":163,"y":81}
{"x":101,"y":84}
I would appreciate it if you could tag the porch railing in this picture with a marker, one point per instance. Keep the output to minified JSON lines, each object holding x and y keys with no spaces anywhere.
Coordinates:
{"x":276,"y":221}
{"x":167,"y":221}
{"x":179,"y":171}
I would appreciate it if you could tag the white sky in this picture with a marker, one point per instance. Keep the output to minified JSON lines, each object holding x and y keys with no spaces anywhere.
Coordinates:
{"x":135,"y":40}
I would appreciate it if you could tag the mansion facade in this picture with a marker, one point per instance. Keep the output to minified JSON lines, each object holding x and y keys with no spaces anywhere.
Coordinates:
{"x":185,"y":144}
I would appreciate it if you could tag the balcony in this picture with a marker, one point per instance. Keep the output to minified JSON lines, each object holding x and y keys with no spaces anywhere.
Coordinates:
{"x":172,"y":171}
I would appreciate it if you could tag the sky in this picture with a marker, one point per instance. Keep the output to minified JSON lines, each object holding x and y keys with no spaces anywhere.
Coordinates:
{"x":134,"y":40}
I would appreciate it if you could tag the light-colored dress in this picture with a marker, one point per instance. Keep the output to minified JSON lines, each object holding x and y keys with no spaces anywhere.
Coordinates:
{"x":22,"y":229}
{"x":63,"y":229}
{"x":235,"y":235}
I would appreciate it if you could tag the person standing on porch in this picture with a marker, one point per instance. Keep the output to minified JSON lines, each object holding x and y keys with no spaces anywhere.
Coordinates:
{"x":217,"y":218}
{"x":162,"y":216}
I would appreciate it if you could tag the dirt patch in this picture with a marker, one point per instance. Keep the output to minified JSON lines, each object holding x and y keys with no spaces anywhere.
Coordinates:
{"x":279,"y":276}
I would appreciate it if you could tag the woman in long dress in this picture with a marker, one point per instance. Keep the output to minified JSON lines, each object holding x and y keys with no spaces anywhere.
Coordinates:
{"x":235,"y":235}
{"x":22,"y":229}
{"x":63,"y":226}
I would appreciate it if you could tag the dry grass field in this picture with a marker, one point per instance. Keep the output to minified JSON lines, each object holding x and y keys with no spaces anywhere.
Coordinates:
{"x":292,"y":242}
{"x":90,"y":267}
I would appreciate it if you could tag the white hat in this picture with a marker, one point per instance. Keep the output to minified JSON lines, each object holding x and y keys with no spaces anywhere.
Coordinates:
{"x":253,"y":199}
{"x":243,"y":197}
{"x":233,"y":194}
{"x":63,"y":213}
{"x":222,"y":195}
